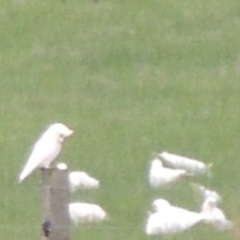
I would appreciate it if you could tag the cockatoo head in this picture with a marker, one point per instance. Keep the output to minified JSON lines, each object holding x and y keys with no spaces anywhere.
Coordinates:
{"x":160,"y":205}
{"x":156,"y":163}
{"x":60,"y":131}
{"x":209,"y":204}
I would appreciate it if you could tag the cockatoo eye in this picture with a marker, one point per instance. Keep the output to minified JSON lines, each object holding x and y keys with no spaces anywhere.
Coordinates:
{"x":61,"y":137}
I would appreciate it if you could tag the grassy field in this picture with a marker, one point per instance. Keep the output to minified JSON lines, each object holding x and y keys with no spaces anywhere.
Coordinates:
{"x":131,"y":78}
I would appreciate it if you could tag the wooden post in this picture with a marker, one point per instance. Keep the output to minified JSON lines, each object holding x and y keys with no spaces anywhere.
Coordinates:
{"x":55,"y":196}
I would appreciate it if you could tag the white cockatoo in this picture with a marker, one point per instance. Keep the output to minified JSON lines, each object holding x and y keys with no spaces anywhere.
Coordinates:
{"x":160,"y":175}
{"x":82,"y":212}
{"x":82,"y":180}
{"x":193,"y":166}
{"x":167,"y":219}
{"x":79,"y":179}
{"x":214,"y":215}
{"x":205,"y":192}
{"x":46,"y":148}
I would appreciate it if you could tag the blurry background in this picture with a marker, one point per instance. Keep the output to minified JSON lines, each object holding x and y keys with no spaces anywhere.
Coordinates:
{"x":131,"y":78}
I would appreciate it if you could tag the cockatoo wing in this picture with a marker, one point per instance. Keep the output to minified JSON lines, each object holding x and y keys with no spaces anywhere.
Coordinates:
{"x":44,"y":151}
{"x":191,"y":165}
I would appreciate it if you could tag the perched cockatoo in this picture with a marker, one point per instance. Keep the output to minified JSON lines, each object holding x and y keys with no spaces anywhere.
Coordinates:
{"x":214,"y":215}
{"x":167,"y":219}
{"x":82,"y":180}
{"x":193,"y":166}
{"x":81,"y":212}
{"x":160,"y":175}
{"x":46,"y":148}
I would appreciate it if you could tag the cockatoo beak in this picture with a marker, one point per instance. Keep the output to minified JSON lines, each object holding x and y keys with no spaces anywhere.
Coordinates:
{"x":69,"y":133}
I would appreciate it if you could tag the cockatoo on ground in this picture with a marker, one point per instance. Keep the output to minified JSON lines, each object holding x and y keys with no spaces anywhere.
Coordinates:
{"x":79,"y":179}
{"x":160,"y":175}
{"x":214,"y":215}
{"x":167,"y":219}
{"x":82,"y":180}
{"x":46,"y":148}
{"x":82,"y":212}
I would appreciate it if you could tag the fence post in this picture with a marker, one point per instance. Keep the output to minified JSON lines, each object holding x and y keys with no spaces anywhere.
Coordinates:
{"x":55,"y":196}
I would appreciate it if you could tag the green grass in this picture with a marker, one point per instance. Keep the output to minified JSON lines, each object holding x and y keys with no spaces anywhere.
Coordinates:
{"x":131,"y":78}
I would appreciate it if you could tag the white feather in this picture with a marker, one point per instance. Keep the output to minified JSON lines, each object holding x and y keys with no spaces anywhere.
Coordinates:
{"x":46,"y":149}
